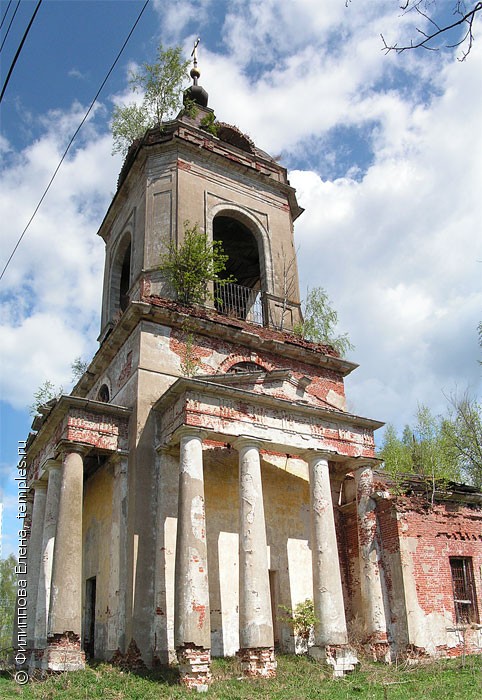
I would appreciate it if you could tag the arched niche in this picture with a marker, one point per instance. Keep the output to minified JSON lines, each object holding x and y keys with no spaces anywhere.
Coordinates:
{"x":120,"y":276}
{"x":103,"y":394}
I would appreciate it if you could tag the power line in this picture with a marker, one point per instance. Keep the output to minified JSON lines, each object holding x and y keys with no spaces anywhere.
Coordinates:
{"x":10,"y":23}
{"x":19,"y":49}
{"x":6,"y":12}
{"x":73,"y":137}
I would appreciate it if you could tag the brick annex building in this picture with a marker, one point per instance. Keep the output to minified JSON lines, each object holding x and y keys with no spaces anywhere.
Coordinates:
{"x":173,"y":514}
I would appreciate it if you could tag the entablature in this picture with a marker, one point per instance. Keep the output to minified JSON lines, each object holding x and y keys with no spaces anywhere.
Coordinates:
{"x":225,"y":412}
{"x":82,"y":423}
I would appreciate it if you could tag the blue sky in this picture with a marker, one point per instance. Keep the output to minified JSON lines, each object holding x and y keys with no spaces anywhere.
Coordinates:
{"x":384,"y":151}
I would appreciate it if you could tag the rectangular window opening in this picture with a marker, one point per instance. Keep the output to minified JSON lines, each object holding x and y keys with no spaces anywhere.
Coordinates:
{"x":463,"y":585}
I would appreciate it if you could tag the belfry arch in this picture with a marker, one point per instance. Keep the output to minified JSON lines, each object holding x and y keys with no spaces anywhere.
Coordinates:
{"x":120,"y":276}
{"x":246,"y":244}
{"x":241,"y":247}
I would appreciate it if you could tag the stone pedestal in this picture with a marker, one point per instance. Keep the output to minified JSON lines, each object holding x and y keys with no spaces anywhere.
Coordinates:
{"x":376,"y":640}
{"x":194,"y":667}
{"x":341,"y":658}
{"x":192,"y":629}
{"x":258,"y":662}
{"x":255,"y":620}
{"x":63,"y":650}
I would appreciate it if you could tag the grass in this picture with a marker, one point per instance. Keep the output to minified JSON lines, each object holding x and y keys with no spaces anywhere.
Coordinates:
{"x":298,"y":678}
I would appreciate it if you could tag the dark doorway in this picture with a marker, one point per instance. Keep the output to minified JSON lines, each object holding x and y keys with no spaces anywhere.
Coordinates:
{"x":89,"y":624}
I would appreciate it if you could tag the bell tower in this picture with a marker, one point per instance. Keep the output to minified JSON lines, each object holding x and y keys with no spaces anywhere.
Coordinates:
{"x":206,"y":445}
{"x":197,"y":171}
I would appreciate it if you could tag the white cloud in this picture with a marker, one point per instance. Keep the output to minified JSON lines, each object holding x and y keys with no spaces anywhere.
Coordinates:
{"x":51,"y":291}
{"x":397,"y":230}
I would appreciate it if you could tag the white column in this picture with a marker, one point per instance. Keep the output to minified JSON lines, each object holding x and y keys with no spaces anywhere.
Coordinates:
{"x":63,"y":652}
{"x":327,"y":588}
{"x":34,"y":550}
{"x":255,"y":617}
{"x":370,"y":580}
{"x":192,"y":625}
{"x":118,"y":558}
{"x":53,"y":469}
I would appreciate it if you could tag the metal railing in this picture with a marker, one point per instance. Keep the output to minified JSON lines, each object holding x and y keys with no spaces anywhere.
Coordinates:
{"x":239,"y":302}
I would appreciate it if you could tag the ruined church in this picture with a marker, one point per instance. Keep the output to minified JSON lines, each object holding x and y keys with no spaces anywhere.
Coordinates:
{"x":205,"y":471}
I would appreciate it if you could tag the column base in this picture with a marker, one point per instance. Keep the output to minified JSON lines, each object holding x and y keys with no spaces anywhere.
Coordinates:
{"x":63,"y":653}
{"x":36,"y":658}
{"x":258,"y":662}
{"x":341,"y":658}
{"x":378,"y":648}
{"x":194,"y":667}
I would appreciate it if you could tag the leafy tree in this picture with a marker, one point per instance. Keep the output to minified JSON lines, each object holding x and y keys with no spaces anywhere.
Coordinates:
{"x":44,"y":393}
{"x":301,"y":618}
{"x":8,"y":592}
{"x":193,"y":265}
{"x":161,"y":84}
{"x":463,"y":434}
{"x":395,"y":453}
{"x":423,"y":449}
{"x":78,"y":367}
{"x":320,"y":321}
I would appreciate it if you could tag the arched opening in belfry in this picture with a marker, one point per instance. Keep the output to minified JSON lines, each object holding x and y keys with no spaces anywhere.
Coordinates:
{"x":125,"y":279}
{"x":241,"y":299}
{"x":120,"y":279}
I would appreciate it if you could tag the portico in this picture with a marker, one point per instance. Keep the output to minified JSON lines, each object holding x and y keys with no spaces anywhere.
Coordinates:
{"x":233,"y":413}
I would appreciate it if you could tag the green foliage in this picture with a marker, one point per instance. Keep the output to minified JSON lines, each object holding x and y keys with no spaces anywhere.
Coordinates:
{"x":78,"y":366}
{"x":193,"y":265}
{"x":209,"y":124}
{"x":44,"y":393}
{"x":463,"y":435}
{"x":189,"y":363}
{"x":161,"y":84}
{"x":320,"y":321}
{"x":297,"y":677}
{"x":302,"y":618}
{"x":423,"y":449}
{"x":8,"y":593}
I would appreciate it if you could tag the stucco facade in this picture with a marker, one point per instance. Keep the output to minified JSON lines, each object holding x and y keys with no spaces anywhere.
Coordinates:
{"x":174,"y":514}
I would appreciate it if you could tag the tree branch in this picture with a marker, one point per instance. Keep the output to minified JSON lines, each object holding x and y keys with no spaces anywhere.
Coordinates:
{"x":424,"y":43}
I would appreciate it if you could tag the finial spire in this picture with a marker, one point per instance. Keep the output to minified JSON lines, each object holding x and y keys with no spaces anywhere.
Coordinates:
{"x":195,"y":73}
{"x":195,"y":93}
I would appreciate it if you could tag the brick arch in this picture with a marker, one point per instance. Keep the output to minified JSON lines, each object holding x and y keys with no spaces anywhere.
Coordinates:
{"x":232,"y":360}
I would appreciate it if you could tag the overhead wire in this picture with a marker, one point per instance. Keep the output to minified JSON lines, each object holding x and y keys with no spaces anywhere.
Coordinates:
{"x":17,"y":54}
{"x":6,"y":13}
{"x":9,"y":24}
{"x":73,"y":137}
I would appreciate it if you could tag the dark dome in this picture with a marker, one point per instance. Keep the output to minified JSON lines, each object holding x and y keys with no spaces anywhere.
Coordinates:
{"x":196,"y":94}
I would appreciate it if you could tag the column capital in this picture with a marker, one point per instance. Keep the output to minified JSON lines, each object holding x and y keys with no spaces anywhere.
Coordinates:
{"x":66,"y":446}
{"x":246,"y":441}
{"x":189,"y":432}
{"x":39,"y":485}
{"x":362,"y":468}
{"x":317,"y":454}
{"x":52,"y":464}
